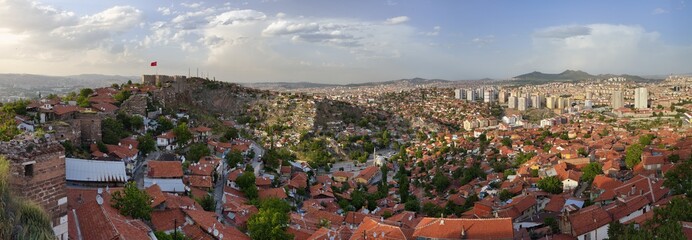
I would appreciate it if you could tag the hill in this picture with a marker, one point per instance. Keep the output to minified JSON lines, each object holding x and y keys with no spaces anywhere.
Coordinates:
{"x":570,"y":75}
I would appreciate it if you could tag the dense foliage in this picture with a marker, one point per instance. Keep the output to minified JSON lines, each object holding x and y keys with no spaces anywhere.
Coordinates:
{"x":271,"y":222}
{"x":550,"y":184}
{"x":132,"y":201}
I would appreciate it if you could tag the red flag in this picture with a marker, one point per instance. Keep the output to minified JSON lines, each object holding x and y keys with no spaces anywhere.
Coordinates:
{"x":153,"y":64}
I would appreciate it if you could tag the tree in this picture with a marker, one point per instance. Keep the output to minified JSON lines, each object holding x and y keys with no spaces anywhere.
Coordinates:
{"x":19,"y":218}
{"x":550,"y":184}
{"x":136,"y":123}
{"x":132,"y":202}
{"x":197,"y":151}
{"x":505,"y":195}
{"x":440,"y":181}
{"x":112,"y":131}
{"x":230,"y":133}
{"x":246,"y":182}
{"x":8,"y":126}
{"x":506,"y":141}
{"x":146,"y":144}
{"x":207,"y":202}
{"x":412,"y":204}
{"x":553,"y":224}
{"x":234,"y":157}
{"x":163,"y":125}
{"x":271,"y":221}
{"x":173,"y":236}
{"x":182,"y":134}
{"x":590,"y":172}
{"x":121,"y":96}
{"x":646,"y":139}
{"x":85,"y":92}
{"x":633,"y":155}
{"x":679,"y":179}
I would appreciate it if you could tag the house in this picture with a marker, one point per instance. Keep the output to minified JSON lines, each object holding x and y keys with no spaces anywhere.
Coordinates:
{"x":167,"y":174}
{"x":341,"y":176}
{"x":200,"y":224}
{"x":369,"y":175}
{"x":588,"y":223}
{"x":95,"y":173}
{"x":461,"y":228}
{"x":374,"y":229}
{"x":166,"y":140}
{"x":200,"y":133}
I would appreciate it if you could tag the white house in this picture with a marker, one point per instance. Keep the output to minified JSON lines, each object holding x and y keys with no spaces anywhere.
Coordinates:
{"x":166,"y":140}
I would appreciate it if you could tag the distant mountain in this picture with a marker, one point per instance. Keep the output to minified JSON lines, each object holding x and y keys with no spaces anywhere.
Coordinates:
{"x":303,"y":85}
{"x":566,"y":75}
{"x":83,"y":80}
{"x":571,"y":75}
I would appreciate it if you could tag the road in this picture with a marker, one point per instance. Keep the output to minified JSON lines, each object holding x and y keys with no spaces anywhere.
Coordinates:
{"x":138,"y":171}
{"x":221,"y":181}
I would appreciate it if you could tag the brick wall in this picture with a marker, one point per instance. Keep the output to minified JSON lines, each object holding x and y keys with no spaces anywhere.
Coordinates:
{"x":47,"y":185}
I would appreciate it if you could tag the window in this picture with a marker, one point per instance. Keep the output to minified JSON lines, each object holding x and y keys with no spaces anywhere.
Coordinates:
{"x":29,"y":170}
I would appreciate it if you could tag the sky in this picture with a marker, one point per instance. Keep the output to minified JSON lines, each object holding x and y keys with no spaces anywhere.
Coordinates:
{"x":330,"y":41}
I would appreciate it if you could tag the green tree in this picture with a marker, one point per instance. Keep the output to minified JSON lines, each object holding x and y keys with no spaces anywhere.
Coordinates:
{"x":182,"y":134}
{"x":271,"y":222}
{"x":197,"y":151}
{"x":146,"y":144}
{"x":136,"y":123}
{"x":440,"y":181}
{"x":505,"y":195}
{"x":132,"y":202}
{"x":163,"y":125}
{"x":646,"y":139}
{"x":590,"y":172}
{"x":121,"y":96}
{"x":8,"y":127}
{"x":506,"y":141}
{"x":85,"y":92}
{"x":234,"y":157}
{"x":679,"y":179}
{"x":173,"y":236}
{"x":553,"y":224}
{"x":19,"y":218}
{"x":230,"y":133}
{"x":207,"y":202}
{"x":633,"y":155}
{"x":550,"y":184}
{"x":246,"y":182}
{"x":412,"y":204}
{"x":112,"y":131}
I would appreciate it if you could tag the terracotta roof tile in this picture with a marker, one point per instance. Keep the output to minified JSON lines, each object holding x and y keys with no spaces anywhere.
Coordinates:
{"x":165,"y":169}
{"x":459,"y":228}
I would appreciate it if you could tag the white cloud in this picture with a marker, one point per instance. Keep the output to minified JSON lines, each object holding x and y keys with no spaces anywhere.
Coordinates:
{"x":659,"y":11}
{"x":192,"y":5}
{"x":397,"y":20}
{"x":605,"y":48}
{"x":563,"y":31}
{"x":482,"y":41}
{"x":164,"y":11}
{"x":435,"y":31}
{"x":238,"y":16}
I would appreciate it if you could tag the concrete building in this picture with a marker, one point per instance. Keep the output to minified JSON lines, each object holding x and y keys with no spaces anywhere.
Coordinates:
{"x":512,"y":102}
{"x":470,"y":95}
{"x":561,"y":103}
{"x":489,"y":96}
{"x":617,"y":100}
{"x":641,"y":98}
{"x":502,"y":96}
{"x":536,"y":101}
{"x":550,"y":102}
{"x":459,"y":93}
{"x":589,"y":95}
{"x":38,"y":174}
{"x":522,"y":103}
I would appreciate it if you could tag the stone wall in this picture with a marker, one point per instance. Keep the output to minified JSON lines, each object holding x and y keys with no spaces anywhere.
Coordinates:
{"x":136,"y":104}
{"x":90,"y":127}
{"x":46,"y":185}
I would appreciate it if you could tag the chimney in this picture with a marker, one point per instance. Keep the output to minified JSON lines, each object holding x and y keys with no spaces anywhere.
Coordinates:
{"x":632,"y":190}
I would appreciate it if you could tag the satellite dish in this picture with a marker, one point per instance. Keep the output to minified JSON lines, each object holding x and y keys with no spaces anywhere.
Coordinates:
{"x":221,"y":236}
{"x":216,"y":232}
{"x":99,"y":199}
{"x":99,"y":191}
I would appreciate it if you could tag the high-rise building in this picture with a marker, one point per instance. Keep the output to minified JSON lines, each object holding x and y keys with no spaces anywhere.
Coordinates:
{"x":459,"y":93}
{"x":512,"y":102}
{"x":617,"y":100}
{"x":470,"y":95}
{"x":502,"y":96}
{"x":550,"y":102}
{"x":489,"y":96}
{"x":589,"y":95}
{"x":536,"y":101}
{"x":522,"y":103}
{"x":561,"y":103}
{"x":641,"y":98}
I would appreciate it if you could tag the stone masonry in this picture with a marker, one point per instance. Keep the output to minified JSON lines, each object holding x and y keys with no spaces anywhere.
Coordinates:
{"x":38,"y":174}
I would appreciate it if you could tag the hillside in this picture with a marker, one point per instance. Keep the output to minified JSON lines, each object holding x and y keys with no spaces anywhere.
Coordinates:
{"x":570,"y":75}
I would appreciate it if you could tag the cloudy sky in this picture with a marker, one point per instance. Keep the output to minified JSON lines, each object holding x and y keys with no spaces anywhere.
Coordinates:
{"x":351,"y":41}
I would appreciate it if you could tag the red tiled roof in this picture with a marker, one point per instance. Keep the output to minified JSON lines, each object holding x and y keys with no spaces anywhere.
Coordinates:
{"x":460,"y":228}
{"x":165,"y":169}
{"x":155,"y":193}
{"x":63,"y":109}
{"x":200,"y":181}
{"x":207,"y":220}
{"x":103,"y":222}
{"x":372,"y":229}
{"x":165,"y":220}
{"x":367,"y":173}
{"x":588,"y":219}
{"x":279,"y":193}
{"x":104,"y":107}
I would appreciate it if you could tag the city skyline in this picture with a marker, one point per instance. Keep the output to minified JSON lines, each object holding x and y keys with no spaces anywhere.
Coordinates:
{"x":332,"y":42}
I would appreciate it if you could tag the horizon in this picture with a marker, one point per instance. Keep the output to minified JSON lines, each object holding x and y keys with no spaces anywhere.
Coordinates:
{"x":345,"y":43}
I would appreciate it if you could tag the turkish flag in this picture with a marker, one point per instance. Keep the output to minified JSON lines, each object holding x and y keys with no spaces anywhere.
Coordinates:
{"x":153,"y":64}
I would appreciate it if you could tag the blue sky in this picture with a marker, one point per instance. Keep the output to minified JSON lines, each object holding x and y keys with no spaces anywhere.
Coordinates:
{"x":345,"y":41}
